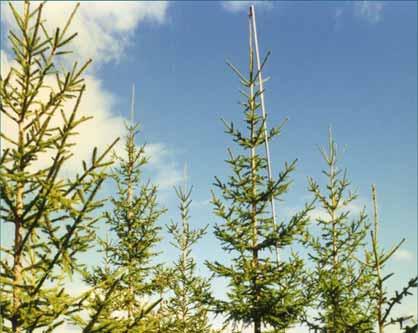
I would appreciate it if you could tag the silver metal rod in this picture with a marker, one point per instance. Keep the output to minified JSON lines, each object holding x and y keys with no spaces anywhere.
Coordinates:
{"x":263,"y":110}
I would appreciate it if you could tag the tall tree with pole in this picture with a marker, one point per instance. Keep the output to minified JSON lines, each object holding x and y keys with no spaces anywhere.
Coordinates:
{"x":253,"y":31}
{"x":261,"y":292}
{"x":53,"y":216}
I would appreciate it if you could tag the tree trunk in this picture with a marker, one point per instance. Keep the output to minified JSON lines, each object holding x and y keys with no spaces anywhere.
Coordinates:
{"x":17,"y":257}
{"x":335,"y":300}
{"x":252,"y":105}
{"x":17,"y":269}
{"x":257,"y":326}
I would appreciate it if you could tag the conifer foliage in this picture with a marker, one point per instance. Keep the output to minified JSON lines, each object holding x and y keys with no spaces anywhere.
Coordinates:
{"x":52,"y":217}
{"x":261,"y":291}
{"x":339,"y":283}
{"x":186,"y":309}
{"x":134,"y":221}
{"x":375,"y":262}
{"x":129,"y":267}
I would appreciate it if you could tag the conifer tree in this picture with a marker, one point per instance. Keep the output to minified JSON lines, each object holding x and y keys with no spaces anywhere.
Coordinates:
{"x":158,"y":318}
{"x":339,"y":282}
{"x":132,"y":219}
{"x":375,"y":263}
{"x":261,"y":292}
{"x":52,"y":216}
{"x":103,"y":305}
{"x":100,"y":303}
{"x":186,"y":310}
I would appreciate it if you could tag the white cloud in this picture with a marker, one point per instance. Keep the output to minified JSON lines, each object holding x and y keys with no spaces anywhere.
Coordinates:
{"x":201,"y":203}
{"x":67,"y":328}
{"x":165,"y":169}
{"x":240,"y":6}
{"x":319,"y":213}
{"x":338,"y":12}
{"x":5,"y":63}
{"x":404,"y":255}
{"x":76,"y":287}
{"x":104,"y":27}
{"x":371,"y":11}
{"x":97,"y":132}
{"x":298,"y":329}
{"x":338,"y":17}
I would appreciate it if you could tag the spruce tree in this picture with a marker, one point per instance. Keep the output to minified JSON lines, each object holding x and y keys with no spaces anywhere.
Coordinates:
{"x":52,"y":216}
{"x":186,"y":310}
{"x":157,"y":319}
{"x":102,"y":310}
{"x":339,"y":283}
{"x":261,"y":292}
{"x":100,"y":302}
{"x":375,"y":263}
{"x":132,"y":220}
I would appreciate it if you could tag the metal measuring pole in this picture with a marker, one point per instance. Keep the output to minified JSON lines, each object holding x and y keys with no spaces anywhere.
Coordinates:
{"x":263,"y":110}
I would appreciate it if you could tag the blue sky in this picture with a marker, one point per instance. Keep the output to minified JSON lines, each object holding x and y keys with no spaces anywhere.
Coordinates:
{"x":330,"y":65}
{"x":349,"y":65}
